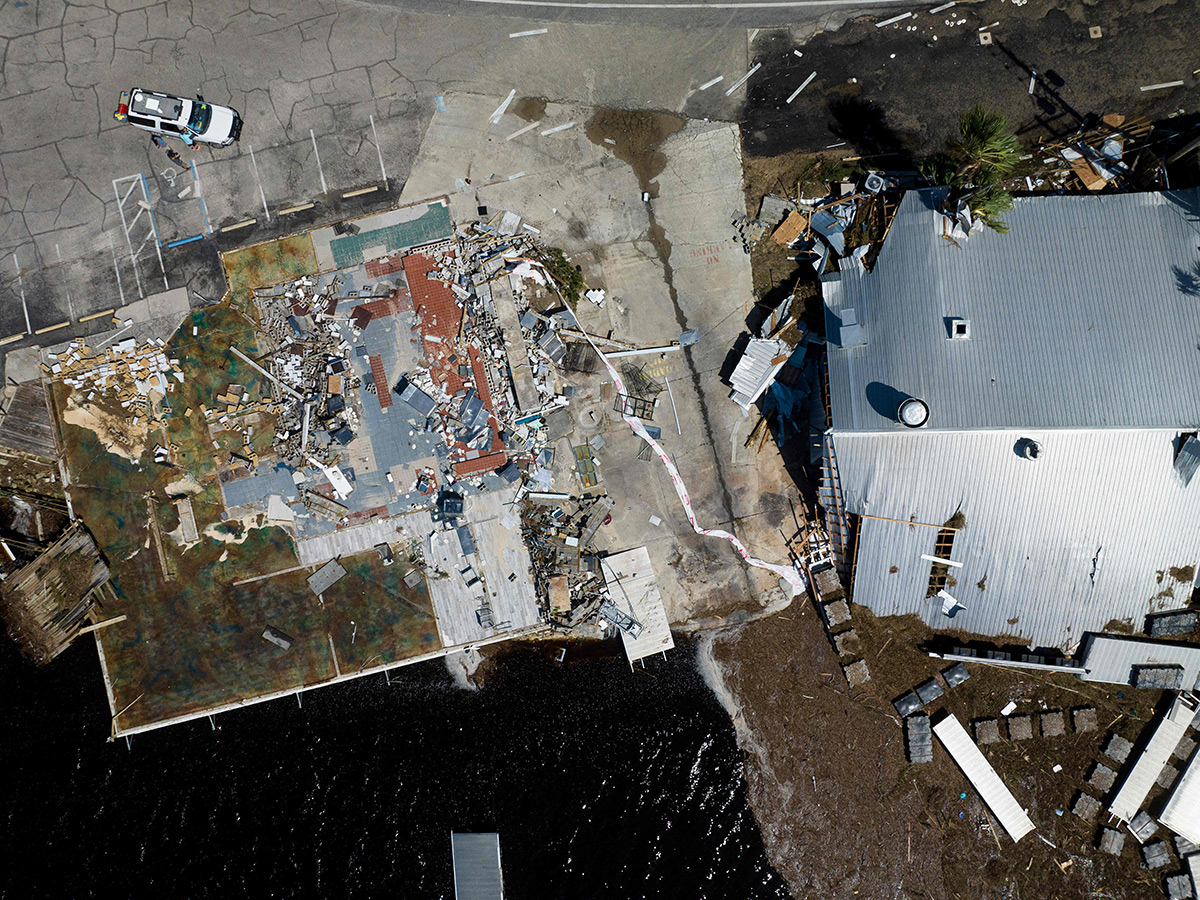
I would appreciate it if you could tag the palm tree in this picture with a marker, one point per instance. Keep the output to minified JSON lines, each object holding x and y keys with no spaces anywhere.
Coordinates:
{"x":985,"y":149}
{"x":984,"y":154}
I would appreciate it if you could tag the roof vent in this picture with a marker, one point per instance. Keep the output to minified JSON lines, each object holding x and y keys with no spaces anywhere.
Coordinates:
{"x":913,"y":412}
{"x":1028,"y":448}
{"x":960,"y":329}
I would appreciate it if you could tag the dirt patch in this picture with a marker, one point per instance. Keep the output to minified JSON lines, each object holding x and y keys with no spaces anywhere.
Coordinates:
{"x":636,"y":137}
{"x":117,"y":433}
{"x":531,"y":109}
{"x":841,"y":809}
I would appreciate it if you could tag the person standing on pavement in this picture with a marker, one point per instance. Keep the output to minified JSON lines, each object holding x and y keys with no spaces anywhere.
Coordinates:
{"x":171,"y":154}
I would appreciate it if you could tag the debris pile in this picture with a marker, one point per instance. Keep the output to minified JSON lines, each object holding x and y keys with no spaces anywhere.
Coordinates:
{"x":844,"y":229}
{"x":1111,"y":152}
{"x":138,"y":376}
{"x":306,"y":359}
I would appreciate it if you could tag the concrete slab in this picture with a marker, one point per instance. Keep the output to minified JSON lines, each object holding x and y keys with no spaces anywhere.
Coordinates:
{"x":501,"y":564}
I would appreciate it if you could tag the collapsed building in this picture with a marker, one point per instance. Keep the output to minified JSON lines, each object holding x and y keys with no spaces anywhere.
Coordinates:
{"x":418,"y":401}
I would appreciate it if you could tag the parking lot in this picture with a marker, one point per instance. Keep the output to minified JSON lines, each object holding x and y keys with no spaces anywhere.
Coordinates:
{"x":335,"y":107}
{"x":155,"y":216}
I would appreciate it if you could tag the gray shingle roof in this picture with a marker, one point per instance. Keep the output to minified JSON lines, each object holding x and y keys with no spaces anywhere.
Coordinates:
{"x":1085,"y":315}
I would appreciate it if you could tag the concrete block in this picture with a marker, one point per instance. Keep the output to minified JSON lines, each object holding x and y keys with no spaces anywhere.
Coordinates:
{"x":847,"y":643}
{"x":1117,"y":748}
{"x":929,"y":690}
{"x":1184,"y":847}
{"x":918,"y":735}
{"x":1111,"y":841}
{"x":987,"y":731}
{"x":955,"y":675}
{"x":1156,"y":855}
{"x":1179,"y":887}
{"x":1086,"y":807}
{"x":1084,"y":719}
{"x":1167,"y":776}
{"x":1102,"y":778}
{"x":857,"y":673}
{"x":908,"y":704}
{"x":1020,"y":728}
{"x":1054,"y":723}
{"x":1143,"y":827}
{"x":837,"y":613}
{"x":1186,"y":748}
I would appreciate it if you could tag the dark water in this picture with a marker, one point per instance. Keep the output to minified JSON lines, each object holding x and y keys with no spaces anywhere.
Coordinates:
{"x":601,"y":783}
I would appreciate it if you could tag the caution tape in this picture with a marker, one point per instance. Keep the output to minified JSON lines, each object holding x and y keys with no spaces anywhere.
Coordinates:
{"x":791,"y":574}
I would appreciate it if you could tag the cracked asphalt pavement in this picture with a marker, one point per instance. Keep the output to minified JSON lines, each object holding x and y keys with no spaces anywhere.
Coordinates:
{"x":337,"y":97}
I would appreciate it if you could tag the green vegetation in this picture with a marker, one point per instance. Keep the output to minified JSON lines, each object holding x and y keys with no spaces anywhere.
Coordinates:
{"x":985,"y":150}
{"x":974,"y":165}
{"x":567,"y":278}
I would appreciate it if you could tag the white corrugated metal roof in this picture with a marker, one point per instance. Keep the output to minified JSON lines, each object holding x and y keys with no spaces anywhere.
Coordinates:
{"x":634,"y":589}
{"x":1080,"y":317}
{"x":979,"y":772}
{"x":1085,"y":534}
{"x":1111,"y":659}
{"x":1171,"y":728}
{"x":1182,"y":813}
{"x":756,"y":370}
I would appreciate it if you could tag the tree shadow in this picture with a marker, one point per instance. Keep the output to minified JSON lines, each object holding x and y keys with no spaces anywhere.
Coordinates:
{"x":1187,"y":281}
{"x":863,"y":125}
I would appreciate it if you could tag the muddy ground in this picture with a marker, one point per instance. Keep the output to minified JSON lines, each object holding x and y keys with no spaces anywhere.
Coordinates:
{"x":895,"y":91}
{"x":843,"y":813}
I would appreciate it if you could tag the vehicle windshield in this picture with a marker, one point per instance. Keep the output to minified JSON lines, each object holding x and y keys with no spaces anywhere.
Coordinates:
{"x":200,"y":117}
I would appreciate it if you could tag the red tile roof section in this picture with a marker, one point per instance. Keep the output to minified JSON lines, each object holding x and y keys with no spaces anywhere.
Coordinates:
{"x":398,"y":302}
{"x":383,"y":388}
{"x":479,"y":465}
{"x":389,"y":265}
{"x":363,"y":515}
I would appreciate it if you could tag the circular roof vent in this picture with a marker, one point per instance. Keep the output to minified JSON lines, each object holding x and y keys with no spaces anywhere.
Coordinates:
{"x":1028,"y":448}
{"x":913,"y":412}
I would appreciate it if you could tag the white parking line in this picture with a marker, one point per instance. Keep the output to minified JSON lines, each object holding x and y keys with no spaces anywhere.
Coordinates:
{"x":70,"y":305}
{"x":380,"y":152}
{"x":116,"y":268}
{"x":324,"y":188}
{"x":126,"y":225}
{"x":521,"y":131}
{"x":24,"y":305}
{"x":200,"y":196}
{"x":262,"y":195}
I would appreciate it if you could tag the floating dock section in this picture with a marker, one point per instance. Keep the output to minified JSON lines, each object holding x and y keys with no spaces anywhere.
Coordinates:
{"x":633,"y":588}
{"x":477,"y":873}
{"x":979,"y":772}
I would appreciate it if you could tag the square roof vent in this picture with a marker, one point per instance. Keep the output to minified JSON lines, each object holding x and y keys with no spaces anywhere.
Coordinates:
{"x":960,"y":329}
{"x":851,"y":332}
